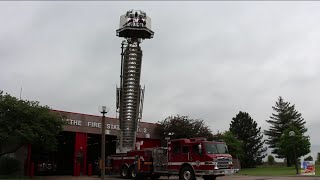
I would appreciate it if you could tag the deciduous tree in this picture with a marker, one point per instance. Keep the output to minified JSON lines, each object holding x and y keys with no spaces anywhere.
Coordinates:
{"x":183,"y":127}
{"x":25,"y":122}
{"x":293,"y":146}
{"x":235,"y":146}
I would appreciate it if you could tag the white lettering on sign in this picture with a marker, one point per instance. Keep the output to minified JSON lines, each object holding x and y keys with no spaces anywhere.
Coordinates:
{"x":112,"y":126}
{"x":143,"y":130}
{"x":94,"y":124}
{"x":74,"y":122}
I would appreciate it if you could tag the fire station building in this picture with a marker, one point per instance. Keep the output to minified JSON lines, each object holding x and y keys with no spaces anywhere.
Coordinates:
{"x":79,"y":145}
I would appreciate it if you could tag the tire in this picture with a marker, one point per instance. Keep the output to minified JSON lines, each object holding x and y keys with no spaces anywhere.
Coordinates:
{"x":155,"y":177}
{"x":209,"y":177}
{"x":124,"y":172}
{"x":187,"y":173}
{"x":140,"y":177}
{"x":132,"y":172}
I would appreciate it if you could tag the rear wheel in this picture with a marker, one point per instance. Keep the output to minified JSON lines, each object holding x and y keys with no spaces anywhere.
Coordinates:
{"x":187,"y":173}
{"x":209,"y":177}
{"x":124,"y":172}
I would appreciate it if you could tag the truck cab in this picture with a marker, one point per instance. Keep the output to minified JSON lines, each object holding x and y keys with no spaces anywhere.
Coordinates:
{"x":199,"y":157}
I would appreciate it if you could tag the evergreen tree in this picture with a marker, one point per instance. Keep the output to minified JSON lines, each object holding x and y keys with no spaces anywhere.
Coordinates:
{"x":285,"y":116}
{"x":247,"y":130}
{"x":318,"y":158}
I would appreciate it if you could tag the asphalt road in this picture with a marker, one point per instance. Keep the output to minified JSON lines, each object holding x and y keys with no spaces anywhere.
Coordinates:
{"x":176,"y":178}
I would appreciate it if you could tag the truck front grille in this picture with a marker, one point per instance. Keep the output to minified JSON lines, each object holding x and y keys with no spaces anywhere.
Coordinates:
{"x":223,"y":163}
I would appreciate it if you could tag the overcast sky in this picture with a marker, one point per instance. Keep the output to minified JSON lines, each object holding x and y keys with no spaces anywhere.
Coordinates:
{"x":208,"y":60}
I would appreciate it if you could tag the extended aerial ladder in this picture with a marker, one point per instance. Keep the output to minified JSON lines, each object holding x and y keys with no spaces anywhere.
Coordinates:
{"x":135,"y":26}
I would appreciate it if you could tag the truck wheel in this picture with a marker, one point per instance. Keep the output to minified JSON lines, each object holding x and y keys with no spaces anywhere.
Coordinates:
{"x":140,"y":177}
{"x":209,"y":177}
{"x":186,"y":174}
{"x":155,"y":177}
{"x":124,"y":172}
{"x":132,"y":172}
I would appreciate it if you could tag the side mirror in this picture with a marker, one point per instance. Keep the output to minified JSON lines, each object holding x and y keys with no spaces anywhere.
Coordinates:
{"x":227,"y":150}
{"x":200,"y":148}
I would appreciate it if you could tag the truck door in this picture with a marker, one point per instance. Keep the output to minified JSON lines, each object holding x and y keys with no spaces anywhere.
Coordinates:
{"x":185,"y":156}
{"x":175,"y":156}
{"x":197,"y":155}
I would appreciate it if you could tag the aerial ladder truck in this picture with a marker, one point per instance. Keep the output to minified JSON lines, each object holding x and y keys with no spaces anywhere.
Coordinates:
{"x":186,"y":158}
{"x":135,"y":26}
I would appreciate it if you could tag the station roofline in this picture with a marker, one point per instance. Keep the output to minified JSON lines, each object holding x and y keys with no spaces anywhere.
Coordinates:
{"x":94,"y":115}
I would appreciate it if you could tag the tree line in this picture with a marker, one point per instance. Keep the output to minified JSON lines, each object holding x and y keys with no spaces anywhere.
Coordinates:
{"x":245,"y":139}
{"x":24,"y":122}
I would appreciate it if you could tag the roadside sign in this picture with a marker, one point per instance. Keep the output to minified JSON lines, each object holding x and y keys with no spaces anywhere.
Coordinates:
{"x":308,"y":168}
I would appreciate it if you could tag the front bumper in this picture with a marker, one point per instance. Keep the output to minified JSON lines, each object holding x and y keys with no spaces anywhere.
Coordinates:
{"x":218,"y":172}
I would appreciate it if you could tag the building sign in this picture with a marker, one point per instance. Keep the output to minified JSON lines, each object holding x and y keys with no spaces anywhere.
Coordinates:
{"x":74,"y":122}
{"x":308,"y":168}
{"x":93,"y":124}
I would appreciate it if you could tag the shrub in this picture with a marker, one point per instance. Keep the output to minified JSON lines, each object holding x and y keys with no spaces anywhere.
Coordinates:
{"x":271,"y":160}
{"x":9,"y":165}
{"x":309,"y":158}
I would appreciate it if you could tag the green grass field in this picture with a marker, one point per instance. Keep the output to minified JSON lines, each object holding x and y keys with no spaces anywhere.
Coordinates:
{"x":272,"y":171}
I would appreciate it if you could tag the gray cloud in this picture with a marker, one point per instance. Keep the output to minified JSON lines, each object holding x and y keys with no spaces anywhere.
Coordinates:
{"x":208,"y":60}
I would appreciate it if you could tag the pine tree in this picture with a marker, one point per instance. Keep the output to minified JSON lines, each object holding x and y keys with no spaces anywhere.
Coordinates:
{"x":285,"y":116}
{"x":247,"y":130}
{"x":318,"y":158}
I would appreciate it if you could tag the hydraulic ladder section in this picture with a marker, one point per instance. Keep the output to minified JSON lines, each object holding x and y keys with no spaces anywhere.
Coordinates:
{"x":130,"y":94}
{"x":134,"y":26}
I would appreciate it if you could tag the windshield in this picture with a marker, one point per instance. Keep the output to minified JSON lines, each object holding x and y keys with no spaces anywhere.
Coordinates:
{"x":216,"y":148}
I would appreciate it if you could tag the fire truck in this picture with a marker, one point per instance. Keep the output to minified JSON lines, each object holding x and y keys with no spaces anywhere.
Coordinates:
{"x":186,"y":158}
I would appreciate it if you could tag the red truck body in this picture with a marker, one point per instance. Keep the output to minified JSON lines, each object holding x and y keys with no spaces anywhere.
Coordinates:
{"x":187,"y":158}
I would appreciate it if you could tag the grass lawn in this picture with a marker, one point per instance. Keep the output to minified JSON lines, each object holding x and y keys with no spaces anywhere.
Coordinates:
{"x":272,"y":171}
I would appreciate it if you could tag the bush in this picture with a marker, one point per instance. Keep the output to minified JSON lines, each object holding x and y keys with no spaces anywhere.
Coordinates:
{"x":271,"y":160}
{"x":9,"y":165}
{"x":309,"y":158}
